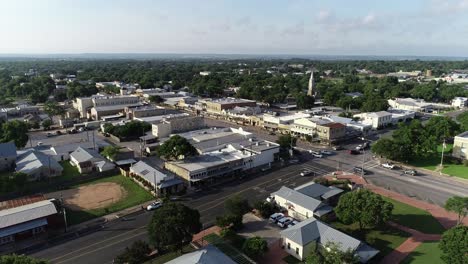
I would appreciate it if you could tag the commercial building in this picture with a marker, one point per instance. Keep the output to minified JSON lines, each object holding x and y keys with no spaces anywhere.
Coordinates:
{"x":460,"y":146}
{"x":98,"y":106}
{"x":217,"y":106}
{"x":7,"y":156}
{"x":282,"y":122}
{"x":146,"y":111}
{"x":154,"y":179}
{"x":376,"y":119}
{"x":177,"y":124}
{"x":303,"y":127}
{"x":416,"y":105}
{"x":331,"y":132}
{"x":311,"y":234}
{"x":27,"y":218}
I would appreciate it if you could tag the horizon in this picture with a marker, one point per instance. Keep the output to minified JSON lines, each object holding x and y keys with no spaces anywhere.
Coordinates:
{"x":299,"y":27}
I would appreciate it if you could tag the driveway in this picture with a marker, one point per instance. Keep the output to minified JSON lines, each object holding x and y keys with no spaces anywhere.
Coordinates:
{"x":255,"y":226}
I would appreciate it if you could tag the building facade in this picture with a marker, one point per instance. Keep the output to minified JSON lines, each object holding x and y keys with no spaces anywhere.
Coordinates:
{"x":460,"y":146}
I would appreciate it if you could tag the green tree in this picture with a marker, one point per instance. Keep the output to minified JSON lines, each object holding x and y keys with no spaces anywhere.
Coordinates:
{"x":110,"y":152}
{"x":364,"y":207}
{"x":442,"y":127}
{"x":176,"y":147}
{"x":173,"y":226}
{"x":458,"y":205}
{"x":265,"y":208}
{"x":46,"y":124}
{"x":454,"y":245}
{"x":135,"y":254}
{"x":52,"y":108}
{"x":229,"y":221}
{"x":16,"y":131}
{"x":285,"y":141}
{"x":237,"y":205}
{"x":463,"y":119}
{"x":333,"y":254}
{"x":255,"y":246}
{"x":304,"y":101}
{"x":314,"y":258}
{"x":20,"y":259}
{"x":156,"y":99}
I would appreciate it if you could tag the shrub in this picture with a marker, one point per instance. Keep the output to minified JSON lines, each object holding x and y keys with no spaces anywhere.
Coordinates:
{"x":255,"y":246}
{"x":264,"y":208}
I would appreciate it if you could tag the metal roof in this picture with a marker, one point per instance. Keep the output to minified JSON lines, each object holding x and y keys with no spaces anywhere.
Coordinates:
{"x":298,"y":198}
{"x":149,"y":173}
{"x":82,"y":155}
{"x":8,"y":149}
{"x":25,"y":213}
{"x":318,"y":191}
{"x":33,"y":160}
{"x":207,"y":255}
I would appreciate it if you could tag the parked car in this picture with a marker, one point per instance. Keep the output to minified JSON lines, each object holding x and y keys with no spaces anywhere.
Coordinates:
{"x":326,"y":152}
{"x":293,"y":223}
{"x":58,"y":132}
{"x":354,"y":152}
{"x":313,"y":152}
{"x":49,"y":134}
{"x":359,"y":147}
{"x":388,"y":166}
{"x":359,"y":170}
{"x":317,"y":155}
{"x":410,"y":172}
{"x":284,"y":222}
{"x":337,"y":147}
{"x":306,"y":173}
{"x":270,"y":199}
{"x":276,"y":216}
{"x":153,"y":206}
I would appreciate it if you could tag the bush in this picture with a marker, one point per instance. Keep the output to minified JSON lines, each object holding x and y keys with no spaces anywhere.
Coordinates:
{"x":226,"y":233}
{"x":321,"y":180}
{"x":255,"y":246}
{"x":229,"y":221}
{"x":465,"y":163}
{"x":265,"y":208}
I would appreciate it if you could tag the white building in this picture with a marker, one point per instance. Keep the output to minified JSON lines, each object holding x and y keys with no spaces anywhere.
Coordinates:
{"x":102,"y":105}
{"x":460,"y":102}
{"x":376,"y":119}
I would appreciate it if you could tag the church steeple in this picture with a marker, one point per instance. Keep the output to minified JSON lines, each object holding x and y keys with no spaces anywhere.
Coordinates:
{"x":310,"y":90}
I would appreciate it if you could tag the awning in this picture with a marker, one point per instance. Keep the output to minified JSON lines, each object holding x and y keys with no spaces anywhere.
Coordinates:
{"x":22,"y":227}
{"x":125,"y":162}
{"x":323,"y":210}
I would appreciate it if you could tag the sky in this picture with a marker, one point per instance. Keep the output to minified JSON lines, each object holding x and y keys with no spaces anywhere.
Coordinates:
{"x":305,"y":27}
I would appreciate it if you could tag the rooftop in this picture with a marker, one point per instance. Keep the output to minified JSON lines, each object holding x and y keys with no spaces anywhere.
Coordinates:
{"x":334,"y":125}
{"x":231,"y":100}
{"x":463,"y":135}
{"x":298,"y":198}
{"x":27,"y":212}
{"x":7,"y":149}
{"x":206,"y":255}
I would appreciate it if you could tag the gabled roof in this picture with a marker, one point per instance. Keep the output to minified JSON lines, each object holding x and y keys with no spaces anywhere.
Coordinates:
{"x":298,"y":198}
{"x":149,"y":173}
{"x":32,"y":160}
{"x":82,"y":155}
{"x":318,"y":191}
{"x":207,"y":255}
{"x":25,"y":213}
{"x":7,"y":149}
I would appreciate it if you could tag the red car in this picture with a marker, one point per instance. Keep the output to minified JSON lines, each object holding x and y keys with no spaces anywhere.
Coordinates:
{"x":354,"y":152}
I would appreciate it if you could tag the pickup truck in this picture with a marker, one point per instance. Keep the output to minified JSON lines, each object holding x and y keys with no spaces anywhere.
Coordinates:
{"x":388,"y":166}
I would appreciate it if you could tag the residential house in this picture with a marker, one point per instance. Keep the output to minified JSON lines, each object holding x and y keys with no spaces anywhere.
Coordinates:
{"x":460,"y":102}
{"x":460,"y":146}
{"x":311,"y":234}
{"x":162,"y":183}
{"x":317,"y":191}
{"x":27,"y":218}
{"x":89,"y":160}
{"x":7,"y":156}
{"x":206,"y":255}
{"x":37,"y":165}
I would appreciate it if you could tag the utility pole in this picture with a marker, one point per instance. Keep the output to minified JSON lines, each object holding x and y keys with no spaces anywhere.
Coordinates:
{"x":154,"y":181}
{"x":94,"y":142}
{"x":442,"y":157}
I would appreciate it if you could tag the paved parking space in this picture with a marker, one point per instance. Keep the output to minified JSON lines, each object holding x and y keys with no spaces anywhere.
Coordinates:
{"x":256,"y":226}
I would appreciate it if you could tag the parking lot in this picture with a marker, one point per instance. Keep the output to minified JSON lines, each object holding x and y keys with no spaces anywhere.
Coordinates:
{"x":256,"y":226}
{"x":42,"y":138}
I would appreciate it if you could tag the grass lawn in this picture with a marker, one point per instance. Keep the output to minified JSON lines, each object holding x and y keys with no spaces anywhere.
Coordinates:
{"x":69,"y":171}
{"x":450,"y":168}
{"x":171,"y":255}
{"x":415,"y":218}
{"x":427,"y":252}
{"x":135,"y":195}
{"x":385,"y":239}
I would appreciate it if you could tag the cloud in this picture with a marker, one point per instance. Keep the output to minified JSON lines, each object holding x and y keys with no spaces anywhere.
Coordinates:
{"x":296,"y":29}
{"x":324,"y":16}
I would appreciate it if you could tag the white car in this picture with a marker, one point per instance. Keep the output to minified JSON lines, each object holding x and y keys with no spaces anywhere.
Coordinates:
{"x":317,"y":155}
{"x":388,"y":166}
{"x":153,"y":206}
{"x":270,"y":199}
{"x":359,"y":147}
{"x":276,"y":216}
{"x":306,"y":172}
{"x":284,"y":222}
{"x":326,"y":152}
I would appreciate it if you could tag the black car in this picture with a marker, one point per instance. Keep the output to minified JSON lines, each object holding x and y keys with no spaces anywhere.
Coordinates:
{"x":359,"y":170}
{"x":354,"y":152}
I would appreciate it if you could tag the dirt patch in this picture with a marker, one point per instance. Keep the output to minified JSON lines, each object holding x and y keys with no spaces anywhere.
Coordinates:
{"x":92,"y":196}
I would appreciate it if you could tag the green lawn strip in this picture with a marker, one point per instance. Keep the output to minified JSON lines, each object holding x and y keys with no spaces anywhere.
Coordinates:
{"x":385,"y":239}
{"x":171,"y":255}
{"x":415,"y":218}
{"x":427,"y":252}
{"x":135,"y":195}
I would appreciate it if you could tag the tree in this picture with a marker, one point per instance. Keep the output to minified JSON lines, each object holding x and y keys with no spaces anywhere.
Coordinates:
{"x":156,"y":99}
{"x":314,"y":258}
{"x":333,"y":254}
{"x":237,"y":205}
{"x":46,"y":124}
{"x":110,"y":152}
{"x":255,"y":246}
{"x":229,"y":221}
{"x":20,"y":259}
{"x":20,"y":178}
{"x":442,"y":127}
{"x":176,"y":147}
{"x":135,"y":254}
{"x":458,"y":205}
{"x":364,"y":207}
{"x":285,"y":141}
{"x":454,"y":244}
{"x":52,"y":108}
{"x":264,"y":208}
{"x":173,"y":226}
{"x":304,"y":101}
{"x":16,"y":131}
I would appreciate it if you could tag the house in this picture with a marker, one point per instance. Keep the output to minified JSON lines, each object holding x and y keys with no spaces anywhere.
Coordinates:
{"x":300,"y":205}
{"x":7,"y":156}
{"x":320,"y":192}
{"x":26,"y":218}
{"x":376,"y":119}
{"x":311,"y":234}
{"x":206,"y":255}
{"x":460,"y":146}
{"x":89,"y":160}
{"x":460,"y":102}
{"x":163,"y":183}
{"x":38,"y":165}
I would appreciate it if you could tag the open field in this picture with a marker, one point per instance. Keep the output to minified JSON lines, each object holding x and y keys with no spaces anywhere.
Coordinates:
{"x":100,"y":197}
{"x":414,"y":218}
{"x":427,"y":252}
